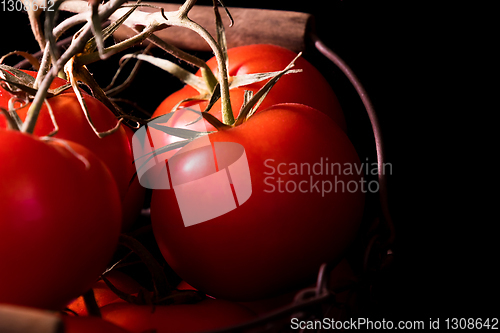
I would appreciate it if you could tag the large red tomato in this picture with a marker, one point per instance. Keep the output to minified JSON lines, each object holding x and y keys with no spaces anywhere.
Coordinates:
{"x":209,"y":314}
{"x":308,"y":87}
{"x":305,"y":205}
{"x":114,"y":150}
{"x":60,"y":220}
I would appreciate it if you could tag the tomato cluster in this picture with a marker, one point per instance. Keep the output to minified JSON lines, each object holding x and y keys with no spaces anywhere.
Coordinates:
{"x":67,"y":194}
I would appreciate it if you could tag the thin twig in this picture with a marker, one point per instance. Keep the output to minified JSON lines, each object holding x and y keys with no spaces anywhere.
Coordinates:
{"x":76,"y":47}
{"x":207,"y":73}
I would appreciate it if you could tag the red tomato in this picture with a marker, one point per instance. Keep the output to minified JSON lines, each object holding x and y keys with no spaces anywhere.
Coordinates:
{"x":209,"y":314}
{"x":61,"y":219}
{"x":308,"y":87}
{"x":114,"y":150}
{"x":104,"y":295}
{"x":305,"y":206}
{"x":89,"y":324}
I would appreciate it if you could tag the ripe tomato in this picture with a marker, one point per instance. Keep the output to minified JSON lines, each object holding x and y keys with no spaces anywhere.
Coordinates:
{"x":114,"y":150}
{"x":61,"y":219}
{"x":308,"y":87}
{"x":305,"y":206}
{"x":209,"y":314}
{"x":104,"y":295}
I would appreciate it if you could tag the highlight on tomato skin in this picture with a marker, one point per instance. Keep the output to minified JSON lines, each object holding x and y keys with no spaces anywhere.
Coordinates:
{"x":291,"y":232}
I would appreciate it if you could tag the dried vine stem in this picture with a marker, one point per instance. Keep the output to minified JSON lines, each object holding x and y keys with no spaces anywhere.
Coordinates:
{"x":75,"y":48}
{"x":206,"y":72}
{"x":140,"y":20}
{"x":57,"y":32}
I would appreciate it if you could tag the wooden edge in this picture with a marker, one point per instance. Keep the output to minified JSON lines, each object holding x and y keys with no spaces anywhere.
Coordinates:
{"x":18,"y":319}
{"x":251,"y":26}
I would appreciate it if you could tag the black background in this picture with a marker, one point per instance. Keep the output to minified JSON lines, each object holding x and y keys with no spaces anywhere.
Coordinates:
{"x":446,"y":251}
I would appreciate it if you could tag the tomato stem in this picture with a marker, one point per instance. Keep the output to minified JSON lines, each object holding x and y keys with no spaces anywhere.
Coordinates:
{"x":58,"y":64}
{"x":184,"y":21}
{"x":89,"y":58}
{"x":227,"y":113}
{"x":206,"y":72}
{"x":57,"y":32}
{"x":36,"y":105}
{"x":177,"y":18}
{"x":185,"y":8}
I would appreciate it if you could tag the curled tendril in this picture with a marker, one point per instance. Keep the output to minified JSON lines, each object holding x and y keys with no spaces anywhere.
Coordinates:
{"x":21,"y":98}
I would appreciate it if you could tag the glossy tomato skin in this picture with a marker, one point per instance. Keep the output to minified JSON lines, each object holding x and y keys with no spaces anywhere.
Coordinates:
{"x":280,"y":236}
{"x":308,"y":87}
{"x":60,"y":220}
{"x":114,"y":150}
{"x":209,"y":314}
